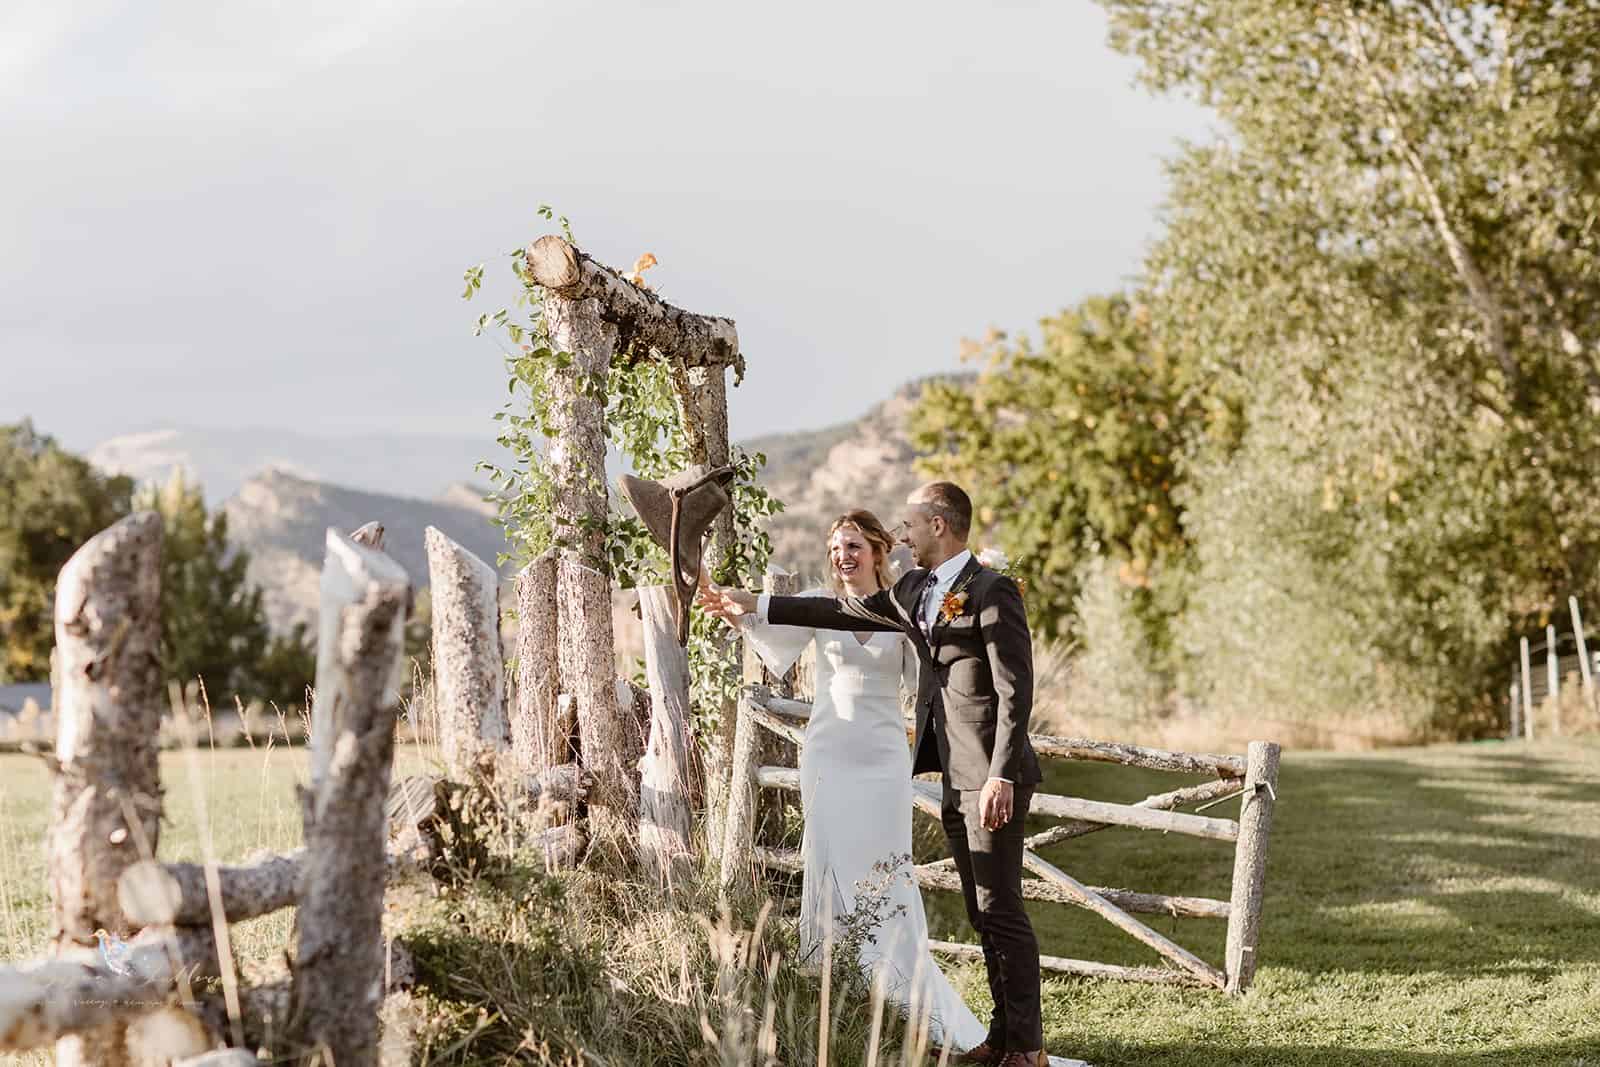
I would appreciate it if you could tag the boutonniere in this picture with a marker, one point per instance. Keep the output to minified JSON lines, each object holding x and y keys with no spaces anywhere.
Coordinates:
{"x":955,"y":601}
{"x":951,"y":607}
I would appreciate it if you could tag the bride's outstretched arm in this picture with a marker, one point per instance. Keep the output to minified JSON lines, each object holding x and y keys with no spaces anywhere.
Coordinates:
{"x":878,"y":611}
{"x":778,"y":646}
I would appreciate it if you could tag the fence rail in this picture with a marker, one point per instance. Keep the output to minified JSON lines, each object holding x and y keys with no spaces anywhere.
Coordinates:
{"x":1252,"y":777}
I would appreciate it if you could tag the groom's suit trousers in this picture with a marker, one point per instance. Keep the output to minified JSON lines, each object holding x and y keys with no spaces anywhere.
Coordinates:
{"x":991,"y":882}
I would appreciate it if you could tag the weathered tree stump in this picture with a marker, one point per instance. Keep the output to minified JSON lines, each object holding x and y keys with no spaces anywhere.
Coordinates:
{"x":664,"y":845}
{"x":339,"y":962}
{"x":468,"y":668}
{"x":536,"y":738}
{"x":108,"y":701}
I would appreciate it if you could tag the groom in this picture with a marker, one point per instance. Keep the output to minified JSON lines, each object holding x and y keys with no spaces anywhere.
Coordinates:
{"x":973,"y":703}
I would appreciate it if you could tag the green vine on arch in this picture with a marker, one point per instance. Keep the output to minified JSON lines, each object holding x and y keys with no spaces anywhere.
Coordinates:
{"x":644,"y":424}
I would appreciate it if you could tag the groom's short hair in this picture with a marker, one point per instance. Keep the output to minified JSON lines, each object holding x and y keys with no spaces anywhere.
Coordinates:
{"x":951,"y":503}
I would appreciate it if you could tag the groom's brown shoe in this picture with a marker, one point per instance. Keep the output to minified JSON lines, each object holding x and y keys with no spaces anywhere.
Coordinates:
{"x":981,"y":1055}
{"x":1037,"y":1058}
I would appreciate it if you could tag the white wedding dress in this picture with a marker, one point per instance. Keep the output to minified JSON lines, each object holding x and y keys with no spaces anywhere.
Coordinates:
{"x":855,"y":788}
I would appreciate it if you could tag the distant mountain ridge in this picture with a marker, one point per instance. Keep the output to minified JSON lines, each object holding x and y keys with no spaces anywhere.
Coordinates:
{"x":279,"y":510}
{"x":865,"y":463}
{"x":282,"y":520}
{"x":223,"y":460}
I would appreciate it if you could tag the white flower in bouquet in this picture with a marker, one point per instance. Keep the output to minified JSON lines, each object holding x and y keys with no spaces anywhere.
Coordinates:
{"x":994,"y":559}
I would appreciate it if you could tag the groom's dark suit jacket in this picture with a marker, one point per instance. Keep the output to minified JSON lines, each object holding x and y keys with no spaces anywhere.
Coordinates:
{"x":976,"y":689}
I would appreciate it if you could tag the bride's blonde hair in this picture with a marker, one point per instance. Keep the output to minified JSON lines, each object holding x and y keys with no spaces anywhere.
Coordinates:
{"x":867,"y":525}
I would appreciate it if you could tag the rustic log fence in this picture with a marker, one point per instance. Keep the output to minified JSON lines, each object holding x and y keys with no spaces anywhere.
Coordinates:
{"x":138,"y":939}
{"x":1251,"y":777}
{"x":93,"y":998}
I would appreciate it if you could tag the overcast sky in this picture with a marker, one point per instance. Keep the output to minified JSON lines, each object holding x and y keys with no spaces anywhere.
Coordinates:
{"x":227,"y":213}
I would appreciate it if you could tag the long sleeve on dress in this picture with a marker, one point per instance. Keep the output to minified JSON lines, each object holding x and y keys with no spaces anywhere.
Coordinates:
{"x":778,"y":646}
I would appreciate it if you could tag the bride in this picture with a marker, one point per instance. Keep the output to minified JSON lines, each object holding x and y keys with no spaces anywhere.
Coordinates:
{"x":855,"y":785}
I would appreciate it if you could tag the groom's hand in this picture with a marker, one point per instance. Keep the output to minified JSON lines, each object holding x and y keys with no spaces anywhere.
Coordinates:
{"x":994,"y":804}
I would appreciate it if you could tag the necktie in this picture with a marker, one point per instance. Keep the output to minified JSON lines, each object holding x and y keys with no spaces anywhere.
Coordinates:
{"x":922,"y":603}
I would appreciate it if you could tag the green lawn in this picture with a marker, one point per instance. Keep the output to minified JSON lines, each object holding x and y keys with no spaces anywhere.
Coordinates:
{"x":1425,"y":907}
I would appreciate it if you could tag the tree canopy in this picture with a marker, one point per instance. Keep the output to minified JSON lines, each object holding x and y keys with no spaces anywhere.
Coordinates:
{"x":51,"y":502}
{"x":1372,"y":322}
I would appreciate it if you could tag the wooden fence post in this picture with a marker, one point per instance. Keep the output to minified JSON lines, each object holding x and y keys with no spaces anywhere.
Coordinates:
{"x":1552,"y":674}
{"x":535,"y":740}
{"x":1516,"y":710}
{"x":1250,"y":863}
{"x":738,"y":825}
{"x":1584,"y":669}
{"x":108,"y":714}
{"x":338,"y":973}
{"x":664,"y":783}
{"x":468,"y":668}
{"x":1527,"y":693}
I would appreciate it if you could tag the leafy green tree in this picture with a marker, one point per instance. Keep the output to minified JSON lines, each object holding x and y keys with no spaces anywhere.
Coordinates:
{"x":284,"y":670}
{"x":213,"y":624}
{"x":51,"y":502}
{"x":1390,"y":268}
{"x":1072,"y":447}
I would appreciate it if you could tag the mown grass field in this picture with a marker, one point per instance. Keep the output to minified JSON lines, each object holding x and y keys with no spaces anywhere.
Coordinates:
{"x":1425,"y":906}
{"x":1433,"y":906}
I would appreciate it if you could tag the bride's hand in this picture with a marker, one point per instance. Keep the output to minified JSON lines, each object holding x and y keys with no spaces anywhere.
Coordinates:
{"x":725,"y":603}
{"x":710,"y":599}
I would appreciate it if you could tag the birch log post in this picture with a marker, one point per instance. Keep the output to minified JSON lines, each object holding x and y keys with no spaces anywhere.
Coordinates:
{"x":1552,"y":680}
{"x":108,"y":713}
{"x":1585,"y":671}
{"x":1250,"y":864}
{"x":468,"y":668}
{"x":535,"y":741}
{"x":1527,"y":693}
{"x":708,"y":409}
{"x":664,"y":782}
{"x":738,"y":827}
{"x":339,"y":958}
{"x":577,"y":455}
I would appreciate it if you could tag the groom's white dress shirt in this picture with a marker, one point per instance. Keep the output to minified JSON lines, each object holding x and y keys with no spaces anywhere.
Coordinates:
{"x":944,"y":577}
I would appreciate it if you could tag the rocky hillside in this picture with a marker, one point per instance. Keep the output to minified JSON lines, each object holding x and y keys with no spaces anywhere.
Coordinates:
{"x":280,"y":516}
{"x":282,"y":519}
{"x":819,"y":475}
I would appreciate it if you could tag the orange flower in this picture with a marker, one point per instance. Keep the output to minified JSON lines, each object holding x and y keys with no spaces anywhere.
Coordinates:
{"x":951,"y":607}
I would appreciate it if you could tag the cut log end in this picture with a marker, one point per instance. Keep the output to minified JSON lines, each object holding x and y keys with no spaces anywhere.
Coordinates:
{"x":553,"y":263}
